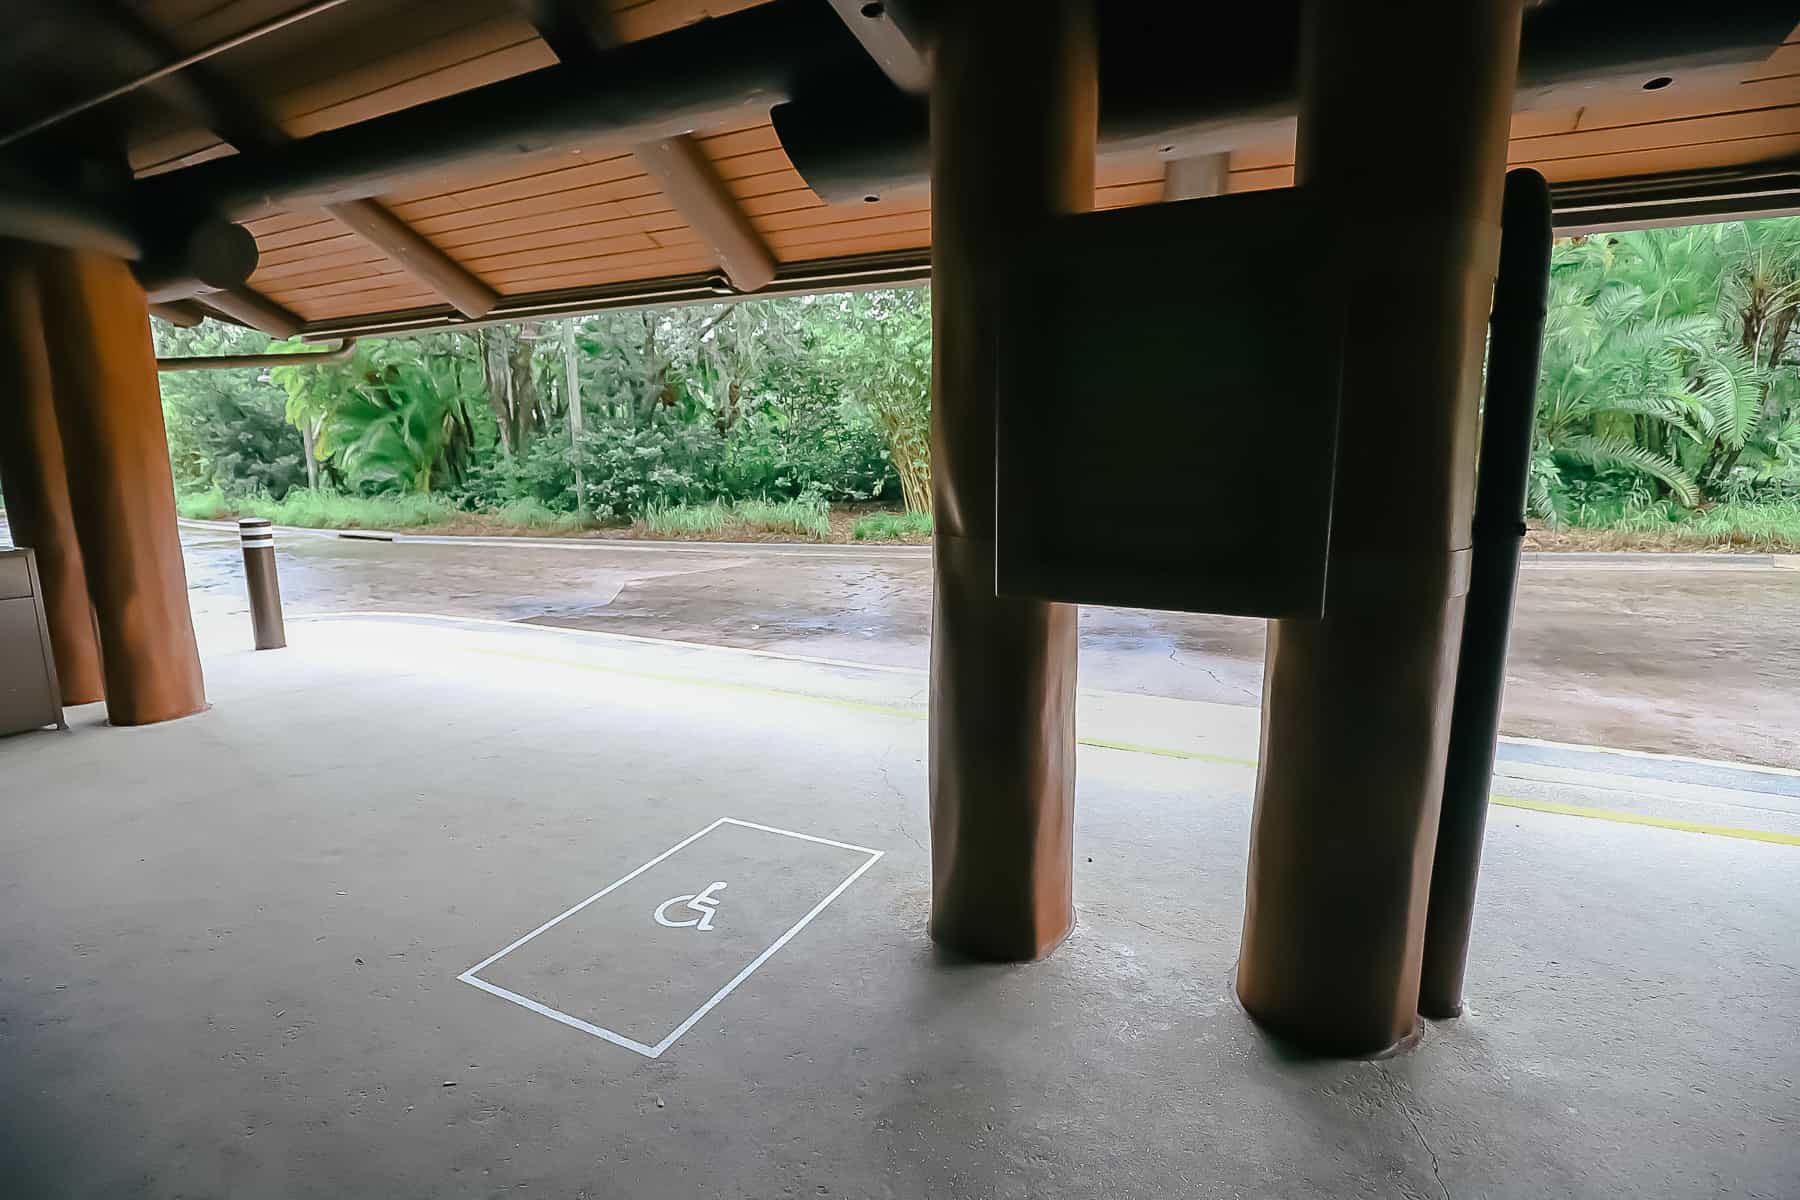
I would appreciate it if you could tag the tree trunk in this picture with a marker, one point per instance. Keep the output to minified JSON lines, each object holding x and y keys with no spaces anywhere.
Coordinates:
{"x":309,"y":438}
{"x":1781,"y":329}
{"x":494,"y":342}
{"x":523,"y":388}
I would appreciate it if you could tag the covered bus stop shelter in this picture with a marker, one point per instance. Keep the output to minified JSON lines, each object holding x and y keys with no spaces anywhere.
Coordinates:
{"x":600,"y":918}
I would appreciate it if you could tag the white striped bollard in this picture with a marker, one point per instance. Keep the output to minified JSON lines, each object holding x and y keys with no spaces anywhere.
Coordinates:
{"x":258,"y":537}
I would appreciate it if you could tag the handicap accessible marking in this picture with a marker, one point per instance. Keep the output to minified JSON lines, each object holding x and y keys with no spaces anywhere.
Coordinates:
{"x":680,"y":931}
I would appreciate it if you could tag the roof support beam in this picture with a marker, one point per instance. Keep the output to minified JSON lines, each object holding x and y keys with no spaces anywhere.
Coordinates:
{"x":184,"y":314}
{"x":119,"y":34}
{"x":238,"y":119}
{"x":215,"y":255}
{"x":254,"y":309}
{"x":661,"y":86}
{"x":888,"y":44}
{"x":416,"y":256}
{"x":575,"y":30}
{"x":123,"y":36}
{"x":852,"y":141}
{"x":692,"y":184}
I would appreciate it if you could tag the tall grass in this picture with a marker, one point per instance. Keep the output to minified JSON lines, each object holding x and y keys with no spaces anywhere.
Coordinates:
{"x":891,"y":527}
{"x":798,"y":518}
{"x":805,"y":517}
{"x":1748,"y":524}
{"x":533,"y":514}
{"x":1775,"y":525}
{"x":680,"y":519}
{"x":323,"y":510}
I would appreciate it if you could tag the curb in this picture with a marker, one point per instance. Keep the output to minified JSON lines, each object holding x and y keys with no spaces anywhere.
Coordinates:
{"x":1622,"y":558}
{"x":573,"y":543}
{"x":1542,"y":558}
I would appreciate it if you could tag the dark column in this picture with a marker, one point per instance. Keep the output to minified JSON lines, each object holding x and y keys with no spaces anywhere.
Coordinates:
{"x":1356,"y":706}
{"x":110,"y":412}
{"x":1515,"y":340}
{"x":1012,"y":139}
{"x":31,"y":471}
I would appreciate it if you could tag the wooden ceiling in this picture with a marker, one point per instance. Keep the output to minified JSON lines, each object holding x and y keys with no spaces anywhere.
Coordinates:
{"x":591,"y":216}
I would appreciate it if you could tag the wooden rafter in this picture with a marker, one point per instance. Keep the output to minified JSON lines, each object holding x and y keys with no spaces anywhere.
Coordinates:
{"x":236,"y":118}
{"x":887,"y":43}
{"x":254,"y":309}
{"x":575,"y":30}
{"x":416,"y":256}
{"x":184,"y":313}
{"x":691,"y":182}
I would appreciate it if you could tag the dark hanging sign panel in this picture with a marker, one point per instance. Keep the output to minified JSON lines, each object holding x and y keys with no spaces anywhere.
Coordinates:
{"x":1167,"y":428}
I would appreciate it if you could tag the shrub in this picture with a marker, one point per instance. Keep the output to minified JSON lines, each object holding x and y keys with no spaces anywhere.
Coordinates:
{"x":529,"y":513}
{"x":891,"y":527}
{"x":627,"y":470}
{"x":808,"y":517}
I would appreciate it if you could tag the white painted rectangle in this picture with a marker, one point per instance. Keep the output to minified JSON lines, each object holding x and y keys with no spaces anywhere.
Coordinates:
{"x":642,"y":960}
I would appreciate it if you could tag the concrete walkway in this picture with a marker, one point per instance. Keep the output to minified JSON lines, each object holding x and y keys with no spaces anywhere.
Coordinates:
{"x":235,"y":950}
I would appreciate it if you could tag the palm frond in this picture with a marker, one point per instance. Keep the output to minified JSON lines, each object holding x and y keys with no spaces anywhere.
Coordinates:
{"x":1623,"y":454}
{"x":1730,"y":387}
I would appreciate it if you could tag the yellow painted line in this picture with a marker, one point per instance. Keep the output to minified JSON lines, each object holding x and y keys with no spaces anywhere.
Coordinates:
{"x":1164,"y":752}
{"x":1631,"y":818}
{"x":1614,"y":815}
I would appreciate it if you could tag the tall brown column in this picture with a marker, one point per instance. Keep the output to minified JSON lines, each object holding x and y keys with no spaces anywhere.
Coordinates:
{"x":1356,"y":706}
{"x":32,"y":473}
{"x":1013,"y":106}
{"x":97,"y":327}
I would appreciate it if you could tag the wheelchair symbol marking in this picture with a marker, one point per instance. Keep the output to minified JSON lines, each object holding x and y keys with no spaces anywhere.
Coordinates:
{"x":703,"y":903}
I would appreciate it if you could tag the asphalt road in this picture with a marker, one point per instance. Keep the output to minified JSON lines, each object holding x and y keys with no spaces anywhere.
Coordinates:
{"x":1668,"y":656}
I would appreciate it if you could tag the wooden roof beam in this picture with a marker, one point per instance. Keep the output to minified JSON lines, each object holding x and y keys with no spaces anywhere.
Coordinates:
{"x":182,"y":313}
{"x":117,"y":33}
{"x":192,"y":87}
{"x":250,"y":307}
{"x":575,"y":30}
{"x":691,"y":182}
{"x":416,"y":256}
{"x":887,"y":42}
{"x":223,"y":109}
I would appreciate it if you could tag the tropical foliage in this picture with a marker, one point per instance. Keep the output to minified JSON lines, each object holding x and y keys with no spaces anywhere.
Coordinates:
{"x":1669,"y":395}
{"x":1670,"y":371}
{"x":817,"y":399}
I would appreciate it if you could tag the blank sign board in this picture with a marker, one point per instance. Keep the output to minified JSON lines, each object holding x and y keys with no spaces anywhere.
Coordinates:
{"x":1167,"y":419}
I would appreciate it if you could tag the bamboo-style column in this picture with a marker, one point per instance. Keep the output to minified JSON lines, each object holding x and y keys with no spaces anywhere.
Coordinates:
{"x":1013,"y":106}
{"x":1356,"y":707}
{"x":33,"y":475}
{"x":97,"y":327}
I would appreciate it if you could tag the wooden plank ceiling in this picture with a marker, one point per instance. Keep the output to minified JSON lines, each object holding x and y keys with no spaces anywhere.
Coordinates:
{"x":1684,"y":126}
{"x":591,"y":215}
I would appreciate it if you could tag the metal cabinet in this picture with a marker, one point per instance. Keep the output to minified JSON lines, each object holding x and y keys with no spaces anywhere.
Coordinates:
{"x":30,"y":696}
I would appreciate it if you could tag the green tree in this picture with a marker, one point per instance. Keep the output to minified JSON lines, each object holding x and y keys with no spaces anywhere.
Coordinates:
{"x":1668,"y":355}
{"x":226,"y":429}
{"x":877,"y":347}
{"x":397,"y":417}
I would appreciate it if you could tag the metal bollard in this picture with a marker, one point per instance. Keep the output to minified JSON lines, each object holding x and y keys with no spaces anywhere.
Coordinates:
{"x":258,"y":537}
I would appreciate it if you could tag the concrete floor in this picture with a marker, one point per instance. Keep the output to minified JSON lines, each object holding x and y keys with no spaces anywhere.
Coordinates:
{"x":1658,"y":654}
{"x":230,"y":951}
